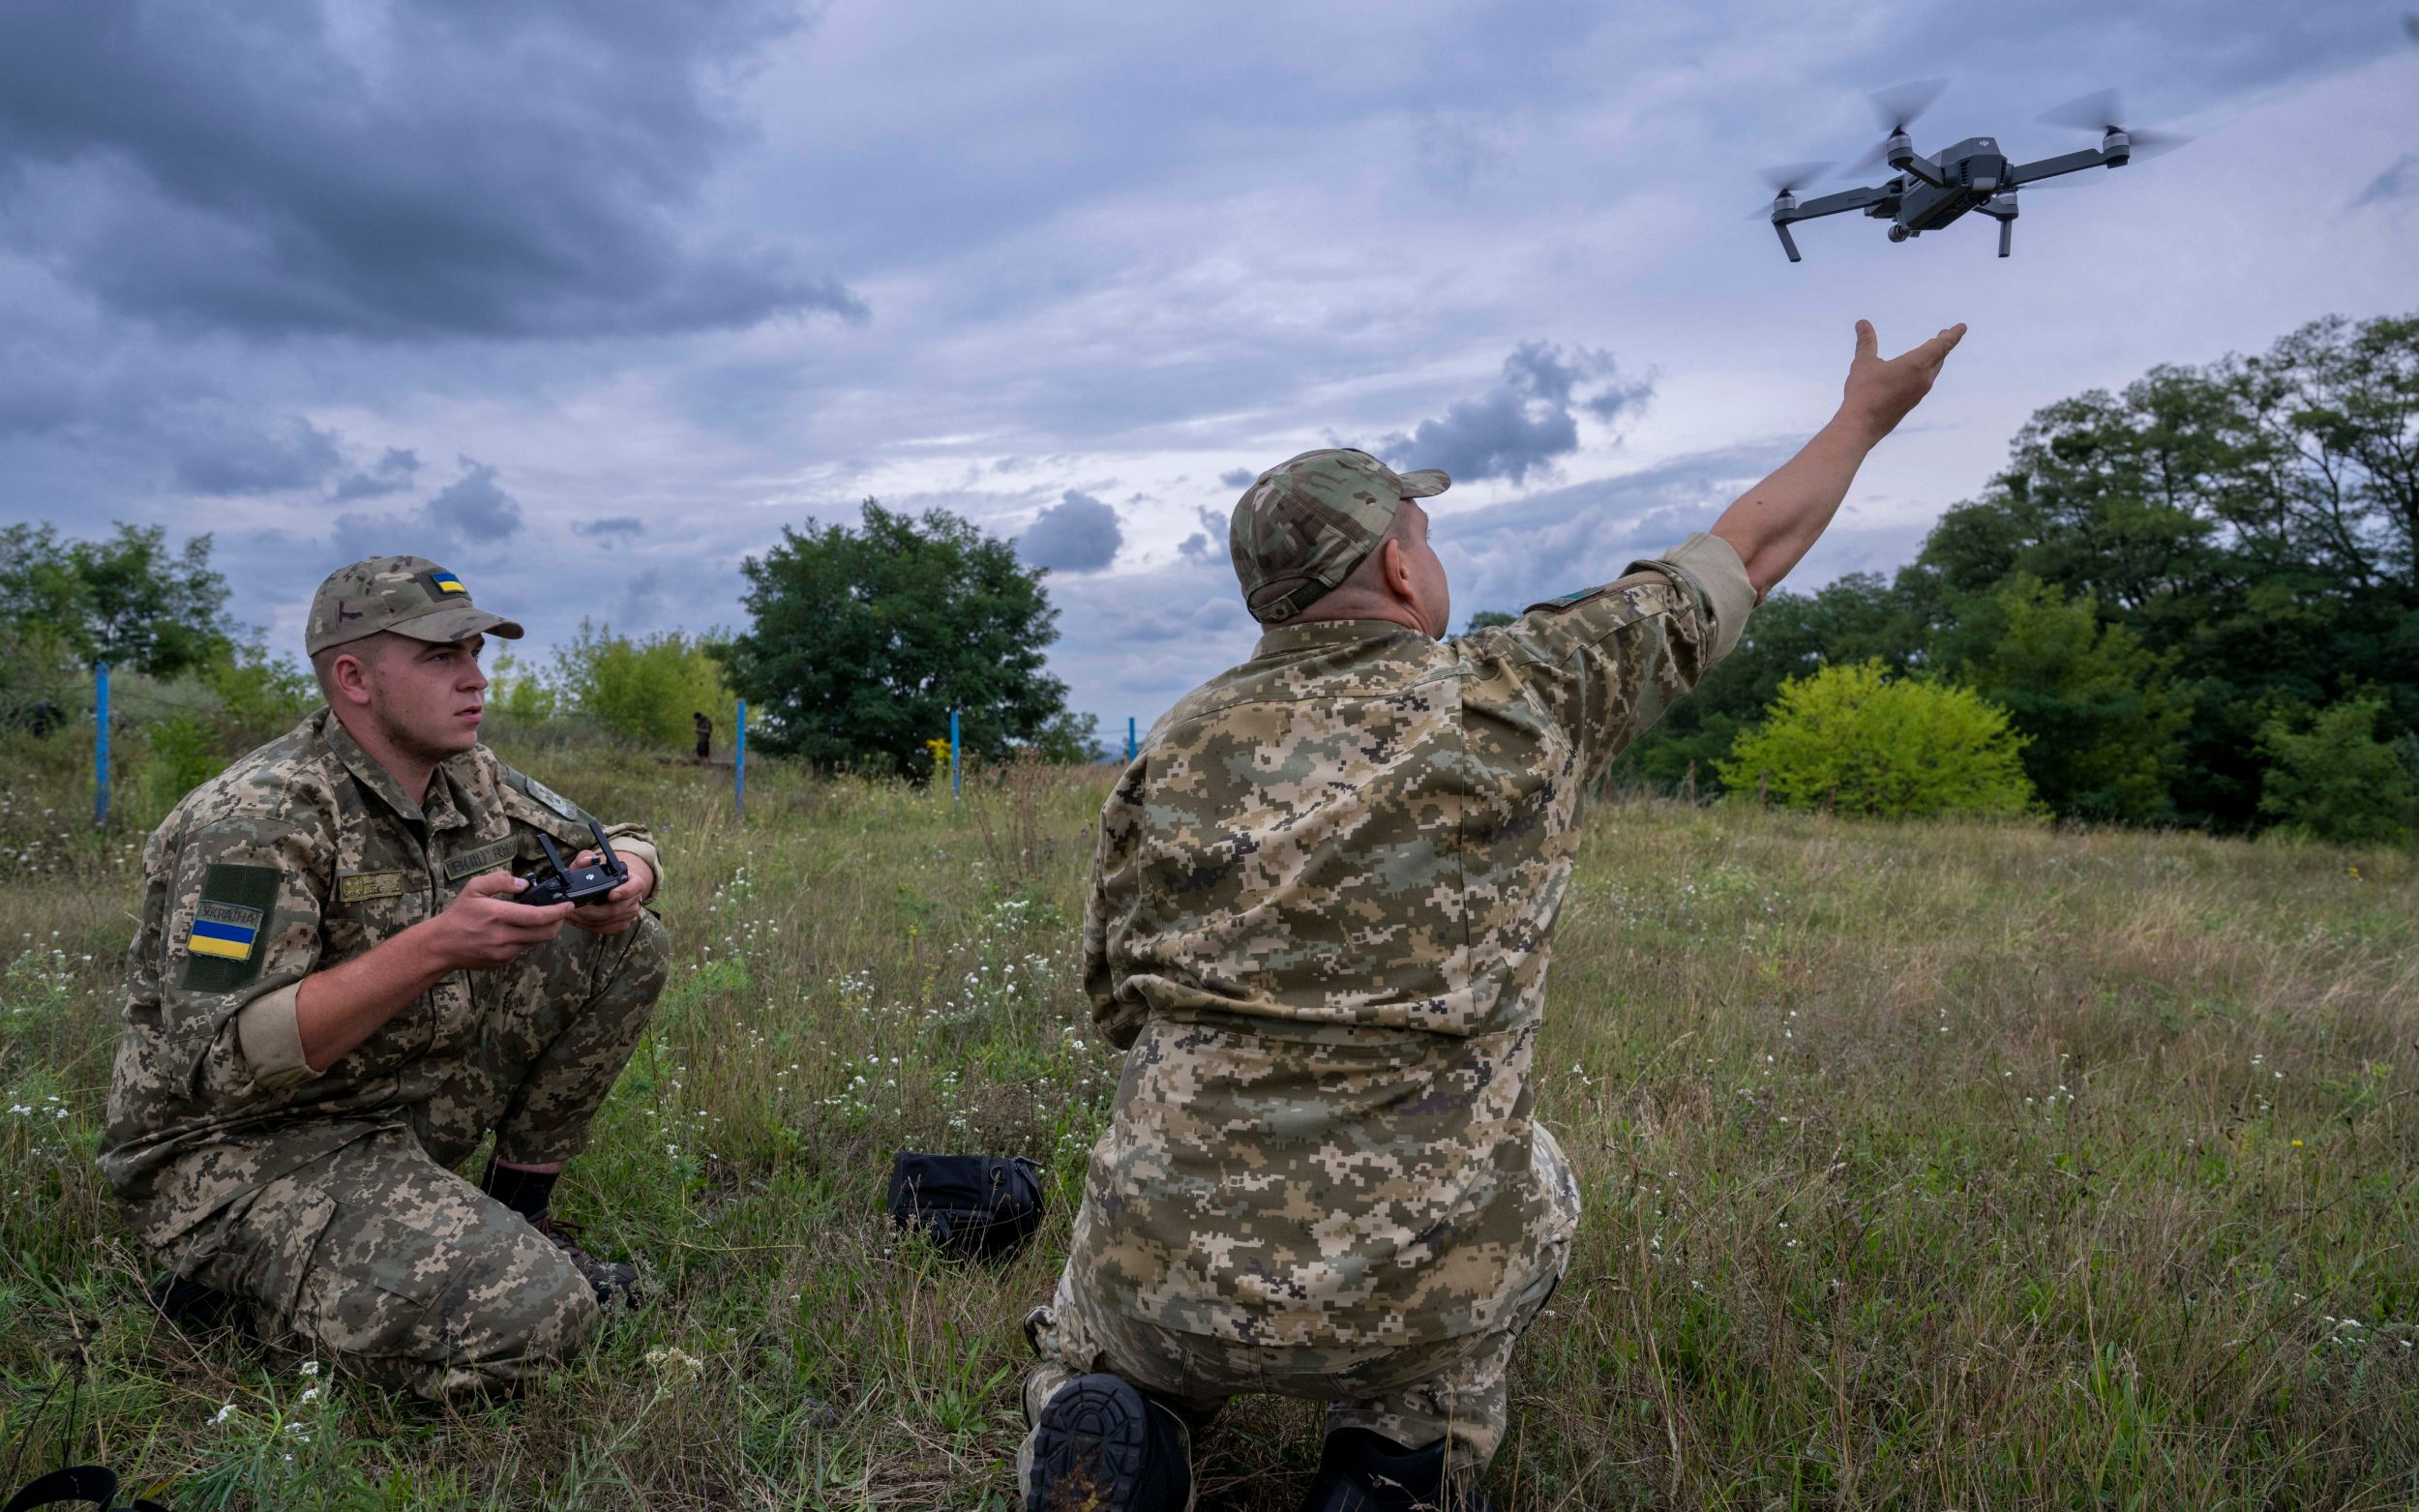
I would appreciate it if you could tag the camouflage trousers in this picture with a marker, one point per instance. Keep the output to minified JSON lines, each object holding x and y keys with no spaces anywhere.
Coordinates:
{"x":380,"y":1258}
{"x":1453,"y":1388}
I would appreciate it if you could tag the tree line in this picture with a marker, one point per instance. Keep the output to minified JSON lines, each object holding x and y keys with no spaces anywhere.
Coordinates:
{"x":2196,"y":601}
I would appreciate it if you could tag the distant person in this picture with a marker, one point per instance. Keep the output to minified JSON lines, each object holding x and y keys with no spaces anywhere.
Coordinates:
{"x":44,"y":718}
{"x":704,"y":729}
{"x":1320,"y":916}
{"x":334,"y":998}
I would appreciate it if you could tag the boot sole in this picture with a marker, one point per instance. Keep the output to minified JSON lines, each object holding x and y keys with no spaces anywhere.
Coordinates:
{"x":1090,"y":1448}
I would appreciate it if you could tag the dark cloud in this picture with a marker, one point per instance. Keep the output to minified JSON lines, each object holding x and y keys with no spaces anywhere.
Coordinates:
{"x":643,"y":602}
{"x":1238,"y":477}
{"x":392,"y":473}
{"x":297,"y":455}
{"x":471,"y":513}
{"x":1526,"y":420}
{"x":1207,"y":544}
{"x":611,"y":527}
{"x":407,"y":171}
{"x":2395,"y":183}
{"x":1078,"y":534}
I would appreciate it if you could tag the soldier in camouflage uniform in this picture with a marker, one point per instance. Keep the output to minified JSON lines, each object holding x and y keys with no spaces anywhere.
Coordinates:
{"x":334,"y":998}
{"x":1320,"y":918}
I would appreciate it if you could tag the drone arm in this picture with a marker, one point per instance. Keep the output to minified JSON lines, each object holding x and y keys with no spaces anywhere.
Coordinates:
{"x":1833,"y":204}
{"x":1924,"y":168}
{"x":1788,"y":244}
{"x":2051,"y":167}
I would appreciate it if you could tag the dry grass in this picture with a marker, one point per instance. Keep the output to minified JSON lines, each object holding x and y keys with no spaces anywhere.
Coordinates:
{"x":1927,"y":1166}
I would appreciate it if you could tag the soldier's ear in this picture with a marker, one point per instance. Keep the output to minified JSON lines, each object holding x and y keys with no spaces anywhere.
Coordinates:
{"x":1394,"y":568}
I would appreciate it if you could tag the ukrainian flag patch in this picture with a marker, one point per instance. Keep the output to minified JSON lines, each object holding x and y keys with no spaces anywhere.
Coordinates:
{"x":447,"y":582}
{"x":223,"y":944}
{"x":226,"y":931}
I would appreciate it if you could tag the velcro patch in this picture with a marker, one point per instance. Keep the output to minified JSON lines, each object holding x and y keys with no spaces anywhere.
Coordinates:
{"x":223,"y":946}
{"x":538,"y":793}
{"x":1567,"y":599}
{"x":483,"y":858}
{"x":362,"y":886}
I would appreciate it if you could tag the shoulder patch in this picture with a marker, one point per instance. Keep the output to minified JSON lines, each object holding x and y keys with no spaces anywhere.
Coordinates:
{"x":223,"y":944}
{"x":539,"y":794}
{"x":1570,"y":599}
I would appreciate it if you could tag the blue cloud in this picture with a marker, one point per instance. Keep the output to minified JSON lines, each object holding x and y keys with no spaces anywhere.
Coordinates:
{"x":1078,"y":534}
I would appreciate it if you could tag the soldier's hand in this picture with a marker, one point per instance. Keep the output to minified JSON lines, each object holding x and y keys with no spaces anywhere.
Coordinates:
{"x":620,"y":907}
{"x":1879,"y":394}
{"x":484,"y":927}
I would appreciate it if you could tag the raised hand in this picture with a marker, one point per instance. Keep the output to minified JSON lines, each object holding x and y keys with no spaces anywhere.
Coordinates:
{"x":1880,"y":393}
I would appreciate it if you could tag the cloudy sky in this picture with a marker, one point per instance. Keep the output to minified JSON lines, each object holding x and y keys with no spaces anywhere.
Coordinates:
{"x":589,"y":299}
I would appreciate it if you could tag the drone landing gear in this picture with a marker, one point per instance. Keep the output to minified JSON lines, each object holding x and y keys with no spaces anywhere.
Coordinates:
{"x":2002,"y":208}
{"x":1787,"y":243}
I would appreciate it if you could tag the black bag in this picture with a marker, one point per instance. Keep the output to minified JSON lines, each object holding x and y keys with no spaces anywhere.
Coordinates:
{"x":971,"y":1206}
{"x":88,"y":1483}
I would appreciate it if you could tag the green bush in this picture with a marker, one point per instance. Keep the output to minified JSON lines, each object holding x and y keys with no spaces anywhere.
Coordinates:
{"x":644,"y":690}
{"x":260,"y":696}
{"x":185,"y":753}
{"x":1853,"y":738}
{"x":2336,"y":781}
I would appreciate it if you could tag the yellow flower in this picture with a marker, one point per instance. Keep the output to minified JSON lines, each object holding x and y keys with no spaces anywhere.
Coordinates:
{"x":2297,"y":1145}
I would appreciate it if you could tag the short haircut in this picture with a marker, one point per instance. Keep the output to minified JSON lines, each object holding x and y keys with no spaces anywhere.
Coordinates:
{"x":367,"y":650}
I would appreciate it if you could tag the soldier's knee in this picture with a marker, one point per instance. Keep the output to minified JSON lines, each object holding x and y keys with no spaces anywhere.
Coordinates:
{"x":649,"y":963}
{"x":508,"y":1320}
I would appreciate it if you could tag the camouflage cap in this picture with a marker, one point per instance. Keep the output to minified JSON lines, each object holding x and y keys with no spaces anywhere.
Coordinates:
{"x":1304,"y":525}
{"x":409,"y":595}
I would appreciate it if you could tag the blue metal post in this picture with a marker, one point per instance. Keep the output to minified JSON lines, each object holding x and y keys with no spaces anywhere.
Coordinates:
{"x":740,"y":762}
{"x":955,"y":770}
{"x":1129,"y":737}
{"x":100,"y":745}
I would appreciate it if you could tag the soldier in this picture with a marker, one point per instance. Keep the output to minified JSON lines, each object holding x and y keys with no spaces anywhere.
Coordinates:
{"x":333,"y":998}
{"x":1320,"y":917}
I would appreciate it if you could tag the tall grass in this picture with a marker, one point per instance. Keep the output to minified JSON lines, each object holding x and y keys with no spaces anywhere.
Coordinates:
{"x":1935,"y":1164}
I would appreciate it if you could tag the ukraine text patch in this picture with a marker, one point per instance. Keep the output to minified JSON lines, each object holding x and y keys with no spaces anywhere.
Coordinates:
{"x":224,"y":931}
{"x":223,"y":945}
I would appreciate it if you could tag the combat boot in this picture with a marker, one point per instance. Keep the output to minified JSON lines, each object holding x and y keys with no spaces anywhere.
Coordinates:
{"x":1363,"y":1472}
{"x":193,"y":1307}
{"x":612,"y":1281}
{"x":1102,"y":1446}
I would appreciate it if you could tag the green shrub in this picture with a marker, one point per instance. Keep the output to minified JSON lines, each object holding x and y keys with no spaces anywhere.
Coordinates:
{"x":644,"y":690}
{"x":1855,"y":738}
{"x":2336,"y":781}
{"x":185,"y":753}
{"x":260,"y":696}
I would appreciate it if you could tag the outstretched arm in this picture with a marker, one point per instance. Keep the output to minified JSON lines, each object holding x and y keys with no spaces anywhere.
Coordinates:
{"x":1772,"y":526}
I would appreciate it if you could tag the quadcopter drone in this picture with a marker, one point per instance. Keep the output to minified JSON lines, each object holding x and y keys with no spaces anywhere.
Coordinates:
{"x":1928,"y":192}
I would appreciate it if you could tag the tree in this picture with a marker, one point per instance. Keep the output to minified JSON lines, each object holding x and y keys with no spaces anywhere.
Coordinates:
{"x":1488,"y":619}
{"x":2102,"y":723}
{"x":864,"y":639}
{"x":2336,"y":781}
{"x":128,"y":601}
{"x":1855,"y":739}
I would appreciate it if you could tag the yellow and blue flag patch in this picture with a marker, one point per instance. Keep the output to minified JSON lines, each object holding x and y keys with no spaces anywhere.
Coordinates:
{"x":227,"y":930}
{"x":223,"y":944}
{"x":447,"y":582}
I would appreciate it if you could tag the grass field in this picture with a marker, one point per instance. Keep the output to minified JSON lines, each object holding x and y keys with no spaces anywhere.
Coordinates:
{"x":1926,"y":1165}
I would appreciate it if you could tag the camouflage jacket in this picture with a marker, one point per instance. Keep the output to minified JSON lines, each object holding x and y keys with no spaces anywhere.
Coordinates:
{"x":1320,"y":919}
{"x":300,"y":856}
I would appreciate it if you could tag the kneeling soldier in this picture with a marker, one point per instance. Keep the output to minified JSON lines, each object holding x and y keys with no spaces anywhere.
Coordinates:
{"x":334,"y":997}
{"x":1321,"y":907}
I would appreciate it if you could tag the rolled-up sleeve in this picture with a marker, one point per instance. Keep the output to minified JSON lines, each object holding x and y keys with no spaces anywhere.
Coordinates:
{"x":1607,"y":662}
{"x":243,"y":930}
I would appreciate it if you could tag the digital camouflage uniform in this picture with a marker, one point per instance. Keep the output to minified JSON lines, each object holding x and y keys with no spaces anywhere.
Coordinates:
{"x":1321,"y":914}
{"x":325,"y":1202}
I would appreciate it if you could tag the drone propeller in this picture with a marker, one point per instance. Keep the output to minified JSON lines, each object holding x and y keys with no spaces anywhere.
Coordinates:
{"x":1788,"y":179}
{"x":1896,"y":110}
{"x":2102,"y":111}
